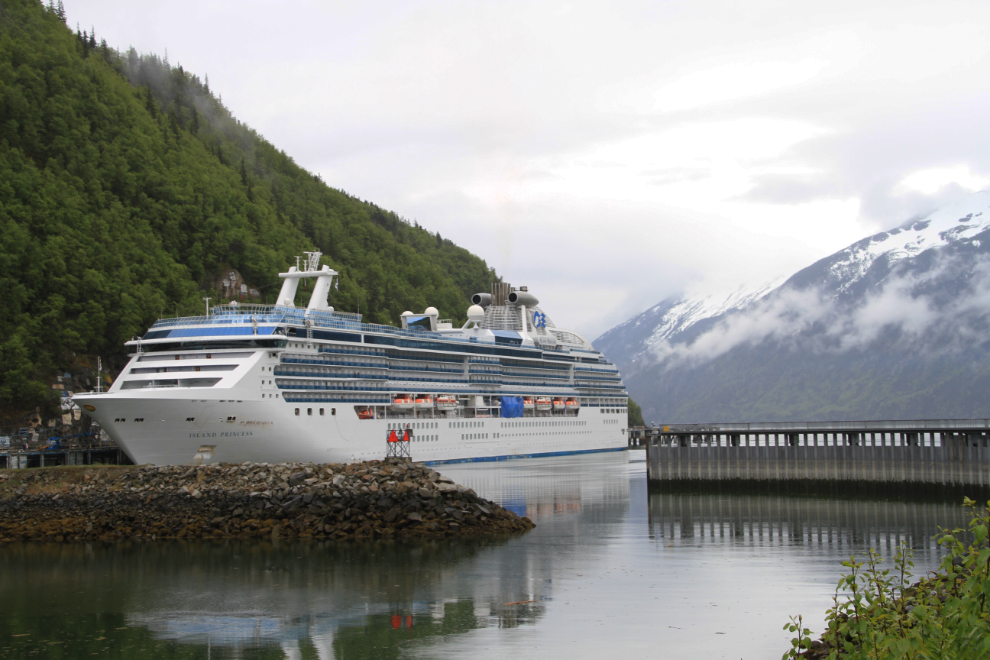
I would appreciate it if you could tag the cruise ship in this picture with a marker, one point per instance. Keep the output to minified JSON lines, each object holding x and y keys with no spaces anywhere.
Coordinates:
{"x":279,"y":383}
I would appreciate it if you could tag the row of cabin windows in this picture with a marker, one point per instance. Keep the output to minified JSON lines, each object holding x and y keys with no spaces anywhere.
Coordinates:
{"x":544,"y":423}
{"x":309,"y":411}
{"x":413,"y":425}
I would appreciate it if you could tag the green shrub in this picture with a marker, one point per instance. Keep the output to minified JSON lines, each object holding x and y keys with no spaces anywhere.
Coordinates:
{"x":943,"y":616}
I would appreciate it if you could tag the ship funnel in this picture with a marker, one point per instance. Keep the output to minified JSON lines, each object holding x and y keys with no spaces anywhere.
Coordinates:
{"x":523,"y":299}
{"x":481,"y":299}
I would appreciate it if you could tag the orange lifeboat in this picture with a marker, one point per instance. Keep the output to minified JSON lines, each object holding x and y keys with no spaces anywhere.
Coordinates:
{"x":366,"y":413}
{"x":528,"y":403}
{"x":424,"y":403}
{"x":558,"y":404}
{"x":543,"y":403}
{"x":572,"y":404}
{"x":446,"y":402}
{"x":403,"y":402}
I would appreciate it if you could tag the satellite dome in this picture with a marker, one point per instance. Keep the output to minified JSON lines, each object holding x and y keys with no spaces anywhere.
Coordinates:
{"x":476,"y":313}
{"x":407,"y":313}
{"x":431,"y":311}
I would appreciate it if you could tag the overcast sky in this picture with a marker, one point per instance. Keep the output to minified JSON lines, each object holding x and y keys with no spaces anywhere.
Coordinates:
{"x":606,"y":154}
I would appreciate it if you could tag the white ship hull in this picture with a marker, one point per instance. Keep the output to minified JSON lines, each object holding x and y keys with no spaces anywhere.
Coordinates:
{"x":269,"y":431}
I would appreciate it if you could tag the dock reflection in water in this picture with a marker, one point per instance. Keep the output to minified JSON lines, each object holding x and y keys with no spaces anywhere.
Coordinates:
{"x":843,"y":526}
{"x":609,"y":568}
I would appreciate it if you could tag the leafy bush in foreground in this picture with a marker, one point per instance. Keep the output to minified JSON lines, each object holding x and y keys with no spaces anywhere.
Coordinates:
{"x":942,"y":616}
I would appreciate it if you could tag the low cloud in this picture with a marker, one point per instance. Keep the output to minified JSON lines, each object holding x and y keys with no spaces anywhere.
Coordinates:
{"x":941,"y":310}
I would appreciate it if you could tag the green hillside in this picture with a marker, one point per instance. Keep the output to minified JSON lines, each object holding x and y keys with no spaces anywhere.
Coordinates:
{"x":127,"y":189}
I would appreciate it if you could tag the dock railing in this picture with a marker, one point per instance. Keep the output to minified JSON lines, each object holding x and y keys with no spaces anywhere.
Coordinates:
{"x":937,"y":452}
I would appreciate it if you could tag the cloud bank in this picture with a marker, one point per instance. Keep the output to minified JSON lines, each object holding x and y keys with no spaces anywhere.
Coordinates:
{"x":945,"y":309}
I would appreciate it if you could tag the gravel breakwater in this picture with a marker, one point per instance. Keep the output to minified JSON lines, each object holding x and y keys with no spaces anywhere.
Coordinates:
{"x":386,"y":499}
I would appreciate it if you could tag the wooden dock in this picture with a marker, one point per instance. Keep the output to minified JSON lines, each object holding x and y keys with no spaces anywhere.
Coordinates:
{"x":935,"y":452}
{"x":34,"y":458}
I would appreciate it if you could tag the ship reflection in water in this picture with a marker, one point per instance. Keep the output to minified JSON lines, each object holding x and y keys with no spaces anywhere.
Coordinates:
{"x":610,"y":567}
{"x":307,"y":599}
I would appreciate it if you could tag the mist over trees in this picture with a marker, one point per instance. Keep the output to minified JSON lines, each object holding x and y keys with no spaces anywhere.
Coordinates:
{"x":127,"y":188}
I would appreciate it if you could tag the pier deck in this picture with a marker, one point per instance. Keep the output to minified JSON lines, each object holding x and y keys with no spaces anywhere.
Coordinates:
{"x":935,"y":452}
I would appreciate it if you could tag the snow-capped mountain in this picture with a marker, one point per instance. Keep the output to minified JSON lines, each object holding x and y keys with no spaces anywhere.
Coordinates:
{"x":959,"y":223}
{"x":892,"y":326}
{"x":669,"y":318}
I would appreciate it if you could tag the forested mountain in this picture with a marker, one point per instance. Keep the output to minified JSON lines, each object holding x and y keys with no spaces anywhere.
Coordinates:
{"x":127,"y":189}
{"x":895,"y":326}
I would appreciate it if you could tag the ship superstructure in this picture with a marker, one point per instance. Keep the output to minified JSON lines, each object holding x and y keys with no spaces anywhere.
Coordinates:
{"x":274,"y":383}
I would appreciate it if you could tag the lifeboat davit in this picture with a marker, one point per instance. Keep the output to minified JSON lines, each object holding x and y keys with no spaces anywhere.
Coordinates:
{"x":558,"y":404}
{"x":403,"y":402}
{"x":528,"y":403}
{"x":445,"y":402}
{"x":424,"y":403}
{"x":572,"y":404}
{"x":366,"y":413}
{"x":543,"y":403}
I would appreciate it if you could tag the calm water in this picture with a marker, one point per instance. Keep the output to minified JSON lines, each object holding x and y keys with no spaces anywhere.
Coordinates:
{"x":609,"y":568}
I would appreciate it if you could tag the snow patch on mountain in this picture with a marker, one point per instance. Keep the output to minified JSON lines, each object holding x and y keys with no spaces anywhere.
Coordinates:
{"x":689,"y":311}
{"x":950,"y":224}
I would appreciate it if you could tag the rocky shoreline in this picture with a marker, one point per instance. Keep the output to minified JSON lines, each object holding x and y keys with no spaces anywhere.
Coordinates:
{"x":377,"y":499}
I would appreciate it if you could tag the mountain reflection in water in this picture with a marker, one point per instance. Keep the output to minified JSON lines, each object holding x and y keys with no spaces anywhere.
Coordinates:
{"x":610,"y":567}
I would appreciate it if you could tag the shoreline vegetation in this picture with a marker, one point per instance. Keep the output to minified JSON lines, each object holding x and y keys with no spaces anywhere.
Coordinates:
{"x":944,"y":616}
{"x":375,"y":499}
